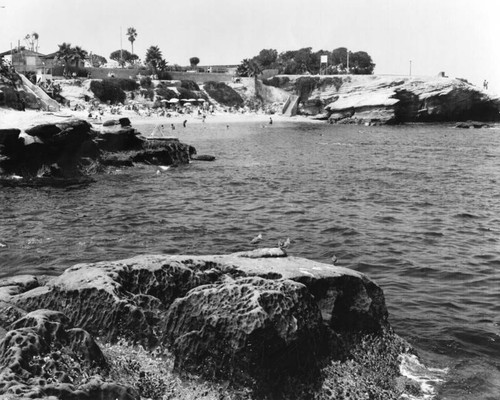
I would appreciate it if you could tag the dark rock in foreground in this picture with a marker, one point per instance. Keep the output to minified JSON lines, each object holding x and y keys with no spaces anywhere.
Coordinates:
{"x":259,"y":319}
{"x":70,"y":151}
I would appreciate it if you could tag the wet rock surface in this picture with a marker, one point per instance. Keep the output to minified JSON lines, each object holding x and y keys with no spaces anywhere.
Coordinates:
{"x":259,"y":319}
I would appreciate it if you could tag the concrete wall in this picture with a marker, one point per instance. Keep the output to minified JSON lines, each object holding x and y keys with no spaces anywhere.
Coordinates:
{"x":202,"y":77}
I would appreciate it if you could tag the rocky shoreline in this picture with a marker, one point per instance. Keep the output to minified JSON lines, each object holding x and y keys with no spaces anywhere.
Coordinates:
{"x":250,"y":325}
{"x":375,"y":100}
{"x":73,"y":150}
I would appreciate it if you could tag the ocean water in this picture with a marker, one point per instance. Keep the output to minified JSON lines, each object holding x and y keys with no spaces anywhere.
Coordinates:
{"x":415,"y":207}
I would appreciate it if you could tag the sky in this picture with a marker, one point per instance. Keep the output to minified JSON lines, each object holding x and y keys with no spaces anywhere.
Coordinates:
{"x":458,"y":37}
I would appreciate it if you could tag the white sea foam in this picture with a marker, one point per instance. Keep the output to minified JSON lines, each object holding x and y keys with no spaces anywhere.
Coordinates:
{"x":428,"y":378}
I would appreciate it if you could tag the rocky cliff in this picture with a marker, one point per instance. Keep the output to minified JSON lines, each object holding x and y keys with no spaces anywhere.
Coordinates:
{"x":266,"y":324}
{"x":384,"y":99}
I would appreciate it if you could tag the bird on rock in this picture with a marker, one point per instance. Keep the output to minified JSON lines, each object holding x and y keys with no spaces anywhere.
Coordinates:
{"x":283,"y":244}
{"x":256,"y":239}
{"x":334,"y":259}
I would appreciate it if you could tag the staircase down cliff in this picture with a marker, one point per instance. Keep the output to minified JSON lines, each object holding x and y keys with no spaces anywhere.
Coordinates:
{"x":389,"y":99}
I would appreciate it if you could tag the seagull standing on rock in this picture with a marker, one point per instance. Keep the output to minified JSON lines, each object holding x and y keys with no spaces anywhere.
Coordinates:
{"x":334,"y":259}
{"x":256,"y":239}
{"x":283,"y":244}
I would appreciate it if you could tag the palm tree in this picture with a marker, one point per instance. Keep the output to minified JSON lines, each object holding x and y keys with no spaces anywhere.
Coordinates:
{"x":78,"y":54}
{"x":65,"y":53}
{"x":153,"y":58}
{"x":132,"y":34}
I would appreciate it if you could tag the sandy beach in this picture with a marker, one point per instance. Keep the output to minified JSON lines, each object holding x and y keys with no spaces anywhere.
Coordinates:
{"x":24,"y":119}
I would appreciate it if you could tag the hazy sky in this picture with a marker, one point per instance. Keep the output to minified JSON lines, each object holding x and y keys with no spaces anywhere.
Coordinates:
{"x":459,"y":37}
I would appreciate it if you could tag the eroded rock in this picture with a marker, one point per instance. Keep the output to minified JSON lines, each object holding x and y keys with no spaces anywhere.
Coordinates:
{"x":255,"y":318}
{"x":43,"y":355}
{"x":247,"y":329}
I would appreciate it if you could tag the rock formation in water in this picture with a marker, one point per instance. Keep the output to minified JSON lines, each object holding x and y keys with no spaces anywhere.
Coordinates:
{"x":73,"y":149}
{"x":384,"y":99}
{"x":277,"y":325}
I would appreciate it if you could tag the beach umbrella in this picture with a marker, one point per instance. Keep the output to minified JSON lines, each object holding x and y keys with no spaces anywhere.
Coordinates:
{"x":173,"y":101}
{"x":192,"y":100}
{"x":164,"y":101}
{"x":202,"y":100}
{"x":187,"y":104}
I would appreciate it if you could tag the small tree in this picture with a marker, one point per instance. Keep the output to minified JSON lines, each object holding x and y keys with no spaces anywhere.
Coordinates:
{"x":122,"y":57}
{"x":248,"y":68}
{"x":96,"y":60}
{"x":361,"y":63}
{"x":194,"y":61}
{"x":267,"y":58}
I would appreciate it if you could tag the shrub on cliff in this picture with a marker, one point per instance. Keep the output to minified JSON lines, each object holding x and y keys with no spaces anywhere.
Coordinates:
{"x":165,"y":92}
{"x":187,"y":94}
{"x":223,"y":94}
{"x":190,"y":85}
{"x":108,"y":90}
{"x":277,"y":81}
{"x":305,"y":86}
{"x":126,"y":84}
{"x":335,"y":81}
{"x":146,"y":82}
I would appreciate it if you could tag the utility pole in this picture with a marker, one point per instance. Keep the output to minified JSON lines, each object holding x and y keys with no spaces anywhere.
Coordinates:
{"x":347,"y":51}
{"x":121,"y":46}
{"x":410,"y":67}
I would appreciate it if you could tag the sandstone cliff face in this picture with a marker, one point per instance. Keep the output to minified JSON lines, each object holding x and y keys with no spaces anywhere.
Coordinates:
{"x":382,"y":99}
{"x":261,"y":319}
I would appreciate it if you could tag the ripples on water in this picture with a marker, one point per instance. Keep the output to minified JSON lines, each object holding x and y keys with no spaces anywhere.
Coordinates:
{"x":417,"y":208}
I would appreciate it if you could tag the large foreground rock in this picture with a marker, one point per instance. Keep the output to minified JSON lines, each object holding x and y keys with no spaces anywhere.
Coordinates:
{"x":251,"y":317}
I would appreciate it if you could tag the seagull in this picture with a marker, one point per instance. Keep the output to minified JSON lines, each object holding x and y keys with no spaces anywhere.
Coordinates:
{"x":283,"y":244}
{"x":334,"y":259}
{"x":256,"y":239}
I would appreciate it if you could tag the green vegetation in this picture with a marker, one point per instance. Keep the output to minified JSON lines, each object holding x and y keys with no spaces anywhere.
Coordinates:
{"x":305,"y":86}
{"x":189,"y":85}
{"x":249,"y":68}
{"x":158,"y":64}
{"x":132,"y":34}
{"x":223,"y":94}
{"x":146,"y":82}
{"x":97,"y":60}
{"x":194,"y":61}
{"x":123,"y":57}
{"x":305,"y":61}
{"x":108,"y":90}
{"x":165,"y":92}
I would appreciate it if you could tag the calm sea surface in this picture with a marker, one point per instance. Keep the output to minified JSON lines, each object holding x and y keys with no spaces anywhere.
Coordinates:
{"x":416,"y":208}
